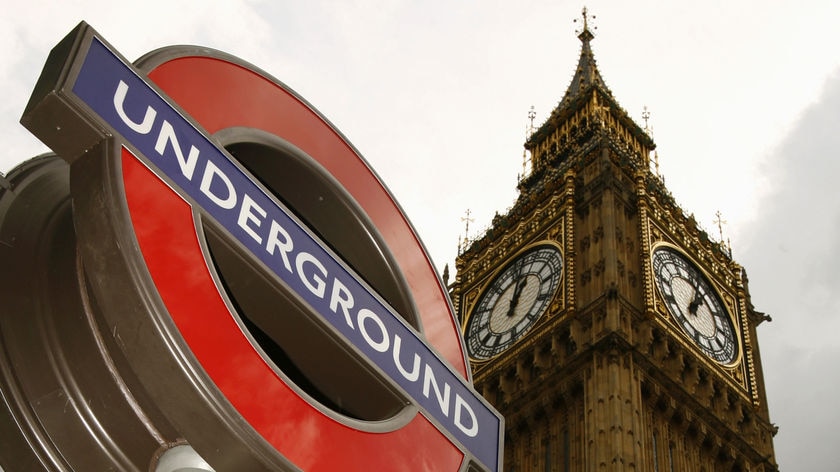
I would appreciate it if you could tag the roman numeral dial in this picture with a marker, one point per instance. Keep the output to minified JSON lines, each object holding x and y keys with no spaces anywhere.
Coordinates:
{"x":513,"y":301}
{"x":695,"y":305}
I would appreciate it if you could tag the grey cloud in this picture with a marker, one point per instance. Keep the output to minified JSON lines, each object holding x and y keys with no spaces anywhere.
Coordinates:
{"x":793,"y":258}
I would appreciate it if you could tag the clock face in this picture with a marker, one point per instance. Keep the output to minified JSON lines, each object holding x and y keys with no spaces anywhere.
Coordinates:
{"x":695,"y":305}
{"x":514,"y":301}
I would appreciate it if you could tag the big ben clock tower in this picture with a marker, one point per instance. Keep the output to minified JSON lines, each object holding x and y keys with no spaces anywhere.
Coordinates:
{"x":606,"y":326}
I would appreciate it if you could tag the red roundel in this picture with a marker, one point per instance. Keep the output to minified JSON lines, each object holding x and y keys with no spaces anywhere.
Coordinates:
{"x":222,"y":95}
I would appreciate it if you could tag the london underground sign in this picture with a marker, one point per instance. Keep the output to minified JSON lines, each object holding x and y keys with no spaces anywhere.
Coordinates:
{"x":225,"y":223}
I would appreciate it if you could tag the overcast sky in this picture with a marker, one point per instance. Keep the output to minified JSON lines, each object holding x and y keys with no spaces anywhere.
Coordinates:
{"x":744,"y":101}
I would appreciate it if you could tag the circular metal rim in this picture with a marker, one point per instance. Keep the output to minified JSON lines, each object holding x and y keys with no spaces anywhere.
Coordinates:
{"x":246,"y":446}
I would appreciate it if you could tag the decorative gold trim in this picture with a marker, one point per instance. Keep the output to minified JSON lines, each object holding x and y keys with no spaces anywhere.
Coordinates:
{"x":645,"y":241}
{"x":481,"y":290}
{"x":741,"y":300}
{"x":569,"y":237}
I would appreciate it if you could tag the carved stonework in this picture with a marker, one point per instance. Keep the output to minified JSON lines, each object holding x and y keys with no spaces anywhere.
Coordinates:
{"x":608,"y":378}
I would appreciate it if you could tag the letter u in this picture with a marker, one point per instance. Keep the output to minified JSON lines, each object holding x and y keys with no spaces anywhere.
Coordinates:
{"x":119,"y":105}
{"x":415,"y":370}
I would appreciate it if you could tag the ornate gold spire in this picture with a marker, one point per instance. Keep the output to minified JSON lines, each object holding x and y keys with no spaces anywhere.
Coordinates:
{"x":585,"y":34}
{"x":586,"y":73}
{"x":586,"y":98}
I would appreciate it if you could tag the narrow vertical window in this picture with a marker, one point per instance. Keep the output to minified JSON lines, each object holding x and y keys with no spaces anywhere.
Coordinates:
{"x":655,"y":453}
{"x":511,"y":455}
{"x":671,"y":456}
{"x":566,"y":449}
{"x":547,"y":455}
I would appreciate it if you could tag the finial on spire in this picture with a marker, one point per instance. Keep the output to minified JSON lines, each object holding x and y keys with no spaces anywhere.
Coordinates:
{"x":529,"y":130}
{"x":719,"y":221}
{"x":585,"y":34}
{"x":531,"y":115}
{"x":656,"y":164}
{"x":649,"y":132}
{"x":467,"y":219}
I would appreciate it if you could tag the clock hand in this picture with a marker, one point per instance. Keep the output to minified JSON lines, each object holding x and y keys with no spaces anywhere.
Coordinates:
{"x":516,"y":291}
{"x":698,"y":300}
{"x":514,"y":300}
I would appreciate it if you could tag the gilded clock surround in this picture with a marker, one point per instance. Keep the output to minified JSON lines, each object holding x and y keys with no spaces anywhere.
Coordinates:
{"x":549,"y":305}
{"x":606,"y":380}
{"x":729,"y":306}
